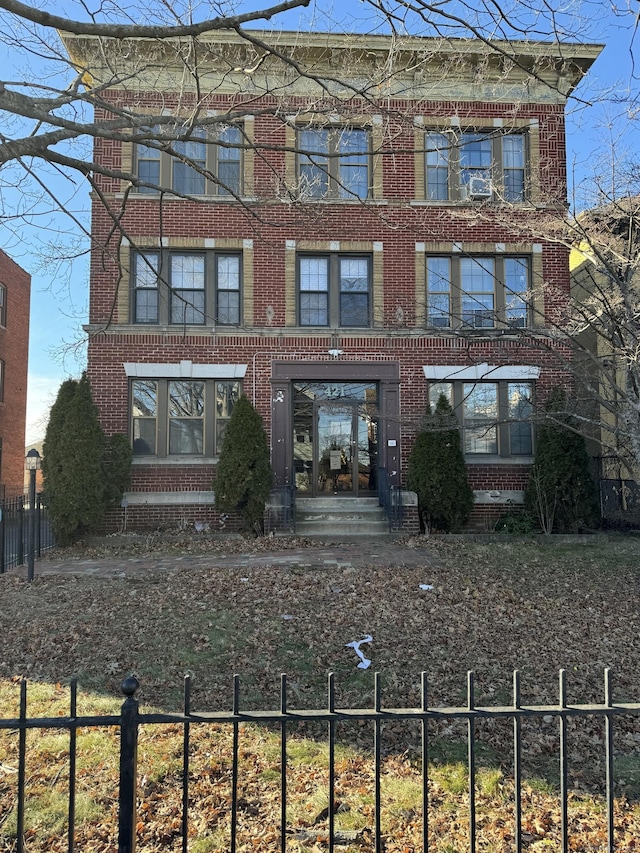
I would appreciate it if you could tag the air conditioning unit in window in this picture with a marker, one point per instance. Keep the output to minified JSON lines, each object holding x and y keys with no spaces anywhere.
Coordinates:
{"x":479,"y":187}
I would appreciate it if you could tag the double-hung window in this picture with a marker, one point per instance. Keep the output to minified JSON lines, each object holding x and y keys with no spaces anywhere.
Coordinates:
{"x":148,"y":160}
{"x":475,"y":166}
{"x":334,"y":163}
{"x":495,"y":416}
{"x":186,"y":288}
{"x":334,"y":290}
{"x":478,"y":292}
{"x":191,"y":161}
{"x":178,"y":417}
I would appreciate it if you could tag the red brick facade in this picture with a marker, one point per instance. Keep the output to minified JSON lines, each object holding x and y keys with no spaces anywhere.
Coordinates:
{"x":14,"y":352}
{"x":396,"y":228}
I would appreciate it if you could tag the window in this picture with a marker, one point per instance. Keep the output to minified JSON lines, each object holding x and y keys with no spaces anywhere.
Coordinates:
{"x":334,"y":163}
{"x":203,"y":162}
{"x":190,"y":164}
{"x":186,"y":296}
{"x":483,"y":292}
{"x":334,"y":290}
{"x":495,"y":416}
{"x":1,"y":381}
{"x":3,"y":305}
{"x":186,"y":288}
{"x":480,"y":166}
{"x":186,"y":417}
{"x":180,"y":417}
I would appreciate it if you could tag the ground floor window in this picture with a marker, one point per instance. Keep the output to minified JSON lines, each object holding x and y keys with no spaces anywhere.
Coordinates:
{"x":495,"y":416}
{"x":180,"y":417}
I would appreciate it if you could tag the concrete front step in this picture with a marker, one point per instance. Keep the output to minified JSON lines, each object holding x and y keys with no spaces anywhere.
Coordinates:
{"x":336,"y":517}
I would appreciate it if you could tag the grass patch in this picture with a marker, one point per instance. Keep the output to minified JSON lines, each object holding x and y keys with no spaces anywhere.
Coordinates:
{"x":532,"y":606}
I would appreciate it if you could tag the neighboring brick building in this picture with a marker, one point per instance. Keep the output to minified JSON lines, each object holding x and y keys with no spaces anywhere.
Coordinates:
{"x":358,"y":256}
{"x":15,"y":296}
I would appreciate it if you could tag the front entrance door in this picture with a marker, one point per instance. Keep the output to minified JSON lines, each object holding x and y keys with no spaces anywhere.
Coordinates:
{"x":335,"y":439}
{"x":336,"y":459}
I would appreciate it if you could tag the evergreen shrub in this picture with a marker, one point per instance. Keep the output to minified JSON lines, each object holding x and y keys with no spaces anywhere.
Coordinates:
{"x":561,"y":493}
{"x":243,"y":476}
{"x":83,"y":472}
{"x":72,"y":463}
{"x":437,"y":472}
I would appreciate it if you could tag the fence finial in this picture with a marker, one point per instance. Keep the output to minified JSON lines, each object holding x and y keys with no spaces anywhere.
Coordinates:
{"x":130,"y":686}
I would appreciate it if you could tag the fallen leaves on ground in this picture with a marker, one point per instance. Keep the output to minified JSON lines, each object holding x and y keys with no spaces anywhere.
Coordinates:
{"x":492,"y":608}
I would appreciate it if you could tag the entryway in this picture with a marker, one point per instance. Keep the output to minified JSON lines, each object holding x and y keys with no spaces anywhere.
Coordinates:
{"x":335,"y":438}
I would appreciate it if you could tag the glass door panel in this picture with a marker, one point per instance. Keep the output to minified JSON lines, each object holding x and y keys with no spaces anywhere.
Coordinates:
{"x":367,"y":452}
{"x":334,"y":448}
{"x":303,"y":445}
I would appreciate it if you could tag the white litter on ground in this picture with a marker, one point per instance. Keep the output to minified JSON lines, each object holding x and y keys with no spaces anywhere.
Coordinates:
{"x":425,"y":586}
{"x":365,"y":663}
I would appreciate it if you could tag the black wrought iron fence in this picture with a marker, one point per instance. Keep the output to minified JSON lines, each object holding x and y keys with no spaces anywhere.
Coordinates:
{"x":131,"y":722}
{"x":14,"y":531}
{"x":390,"y":497}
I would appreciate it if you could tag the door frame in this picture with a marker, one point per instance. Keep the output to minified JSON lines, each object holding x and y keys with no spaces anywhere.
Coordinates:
{"x":284,"y":373}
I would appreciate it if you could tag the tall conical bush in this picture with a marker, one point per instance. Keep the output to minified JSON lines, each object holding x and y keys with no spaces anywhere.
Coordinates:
{"x":243,"y":476}
{"x":72,"y":463}
{"x":437,"y":471}
{"x":83,"y":472}
{"x":561,"y":493}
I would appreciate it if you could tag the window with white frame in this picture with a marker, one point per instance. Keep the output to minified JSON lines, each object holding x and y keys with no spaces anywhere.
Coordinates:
{"x":495,"y":416}
{"x":3,"y":305}
{"x":334,"y":162}
{"x":475,"y":166}
{"x":186,"y":288}
{"x":334,"y":290}
{"x":478,"y":292}
{"x":180,"y":417}
{"x":192,"y":161}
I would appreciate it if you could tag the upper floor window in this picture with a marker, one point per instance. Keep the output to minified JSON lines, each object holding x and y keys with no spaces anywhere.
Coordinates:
{"x":334,"y":162}
{"x":200,"y":162}
{"x":477,"y":292}
{"x":334,"y":290}
{"x":180,"y":417}
{"x":3,"y":305}
{"x":481,"y":166}
{"x":186,"y":288}
{"x":495,"y":416}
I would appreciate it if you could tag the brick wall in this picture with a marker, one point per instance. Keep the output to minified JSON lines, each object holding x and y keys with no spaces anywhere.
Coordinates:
{"x":14,"y":352}
{"x":269,"y":333}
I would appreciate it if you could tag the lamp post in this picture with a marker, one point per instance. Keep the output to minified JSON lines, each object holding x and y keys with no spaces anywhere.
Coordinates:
{"x":32,"y":463}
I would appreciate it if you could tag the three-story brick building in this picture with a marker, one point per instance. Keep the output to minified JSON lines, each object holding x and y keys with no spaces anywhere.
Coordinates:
{"x":341,"y":229}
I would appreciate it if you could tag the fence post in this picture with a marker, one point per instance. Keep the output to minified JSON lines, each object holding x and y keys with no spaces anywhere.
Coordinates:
{"x":38,"y":528}
{"x":128,"y":767}
{"x":20,"y":542}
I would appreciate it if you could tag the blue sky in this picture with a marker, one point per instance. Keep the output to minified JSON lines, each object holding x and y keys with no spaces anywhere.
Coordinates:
{"x":59,"y":289}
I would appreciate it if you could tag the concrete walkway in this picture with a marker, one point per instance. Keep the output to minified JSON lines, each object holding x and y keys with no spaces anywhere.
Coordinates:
{"x":366,"y":553}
